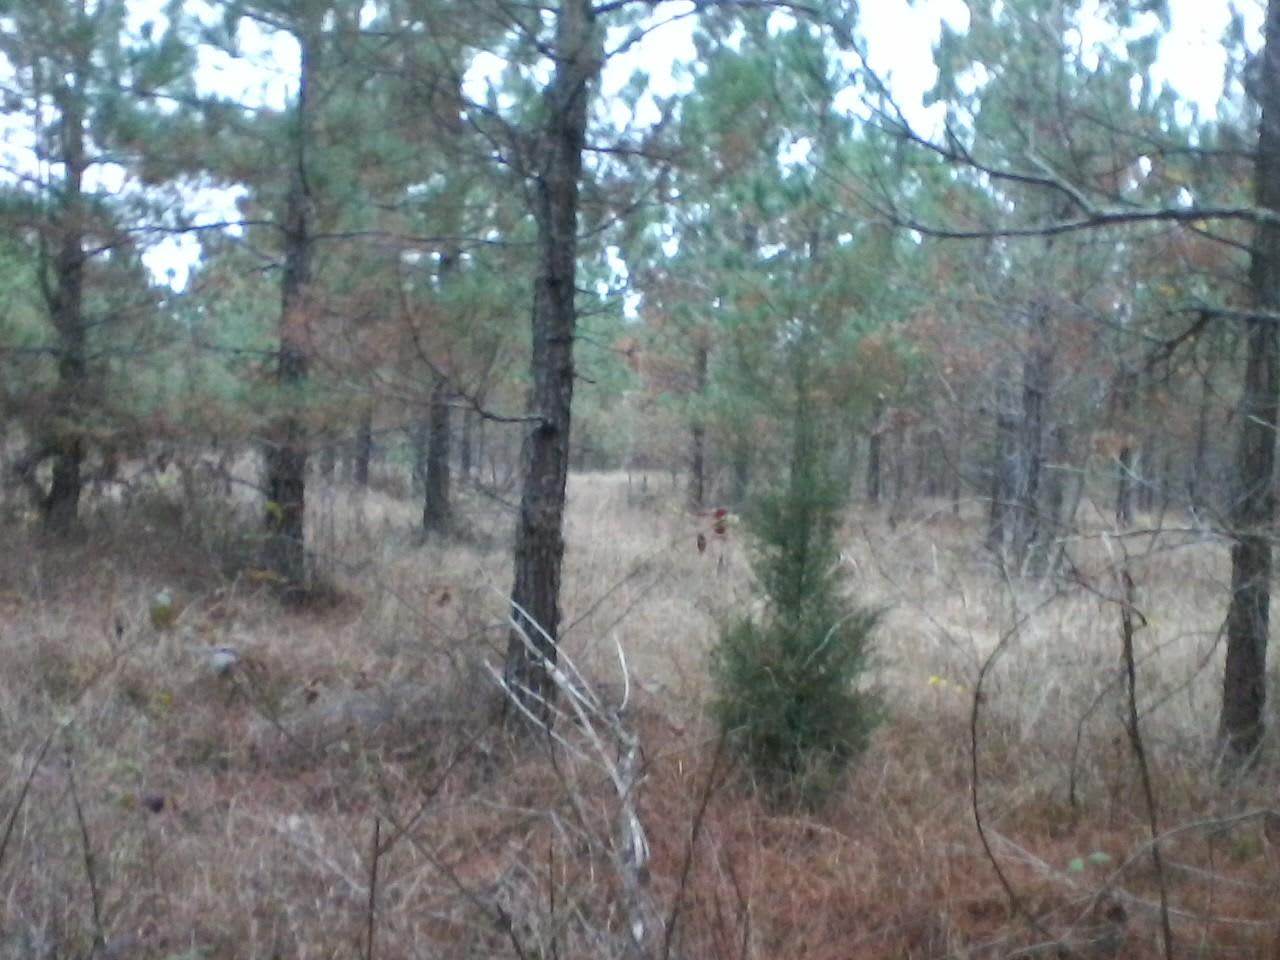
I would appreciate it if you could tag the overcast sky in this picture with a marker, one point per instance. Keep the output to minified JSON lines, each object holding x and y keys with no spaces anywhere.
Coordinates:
{"x":899,"y":35}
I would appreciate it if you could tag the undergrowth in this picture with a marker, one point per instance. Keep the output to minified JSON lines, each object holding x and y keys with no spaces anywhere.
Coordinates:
{"x":342,"y":791}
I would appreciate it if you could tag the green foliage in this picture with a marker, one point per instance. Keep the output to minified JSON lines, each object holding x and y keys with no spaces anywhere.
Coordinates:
{"x":787,"y":683}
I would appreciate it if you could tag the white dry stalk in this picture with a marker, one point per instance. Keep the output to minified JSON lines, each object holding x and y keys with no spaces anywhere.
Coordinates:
{"x":616,"y":751}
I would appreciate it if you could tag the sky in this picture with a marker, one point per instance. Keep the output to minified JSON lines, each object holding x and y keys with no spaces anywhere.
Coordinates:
{"x":899,"y":36}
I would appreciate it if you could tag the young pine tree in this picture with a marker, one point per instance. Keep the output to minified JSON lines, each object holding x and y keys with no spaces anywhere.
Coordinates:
{"x":787,"y":691}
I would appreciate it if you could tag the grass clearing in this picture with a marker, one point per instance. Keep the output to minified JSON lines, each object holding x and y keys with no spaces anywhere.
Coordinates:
{"x":233,"y":815}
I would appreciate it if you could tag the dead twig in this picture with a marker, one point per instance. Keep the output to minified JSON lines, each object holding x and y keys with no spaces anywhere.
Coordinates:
{"x":1128,"y":611}
{"x":86,"y":850}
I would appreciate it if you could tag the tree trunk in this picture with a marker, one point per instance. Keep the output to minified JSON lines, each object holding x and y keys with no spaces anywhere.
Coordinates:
{"x":436,"y":513}
{"x":1253,"y":507}
{"x":1031,"y":430}
{"x":1003,"y":481}
{"x":286,"y":457}
{"x":698,"y":431}
{"x":65,"y":300}
{"x":1196,"y":482}
{"x":554,"y":191}
{"x":874,"y":443}
{"x":1253,"y":504}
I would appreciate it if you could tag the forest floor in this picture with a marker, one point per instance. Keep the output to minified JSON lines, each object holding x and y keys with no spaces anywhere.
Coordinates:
{"x":344,"y":790}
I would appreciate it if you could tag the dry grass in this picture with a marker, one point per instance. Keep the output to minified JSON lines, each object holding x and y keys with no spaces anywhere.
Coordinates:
{"x":167,"y":811}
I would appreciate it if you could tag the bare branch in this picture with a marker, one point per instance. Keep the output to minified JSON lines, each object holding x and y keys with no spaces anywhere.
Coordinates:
{"x":1102,"y":218}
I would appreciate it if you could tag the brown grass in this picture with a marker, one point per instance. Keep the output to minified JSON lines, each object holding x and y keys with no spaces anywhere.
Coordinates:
{"x":233,"y":816}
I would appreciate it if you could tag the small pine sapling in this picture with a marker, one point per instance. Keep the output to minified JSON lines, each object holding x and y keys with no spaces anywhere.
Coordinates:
{"x":788,"y":690}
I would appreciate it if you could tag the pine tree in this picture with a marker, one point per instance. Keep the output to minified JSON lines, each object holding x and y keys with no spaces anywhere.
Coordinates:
{"x":787,"y":683}
{"x":85,"y":86}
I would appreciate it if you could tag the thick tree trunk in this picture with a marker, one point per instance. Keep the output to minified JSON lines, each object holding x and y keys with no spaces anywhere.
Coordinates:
{"x":437,"y":515}
{"x":61,"y":505}
{"x":1253,"y":507}
{"x":64,"y":296}
{"x":698,"y":431}
{"x":436,"y":512}
{"x":286,"y":457}
{"x":554,"y":189}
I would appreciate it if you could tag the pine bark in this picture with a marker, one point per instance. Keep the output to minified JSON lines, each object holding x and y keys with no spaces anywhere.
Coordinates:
{"x":64,"y":295}
{"x":436,"y":509}
{"x":554,"y":184}
{"x":286,"y":456}
{"x":1253,"y":507}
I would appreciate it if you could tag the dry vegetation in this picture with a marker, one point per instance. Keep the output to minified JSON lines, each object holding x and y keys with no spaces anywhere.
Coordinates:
{"x":156,"y":808}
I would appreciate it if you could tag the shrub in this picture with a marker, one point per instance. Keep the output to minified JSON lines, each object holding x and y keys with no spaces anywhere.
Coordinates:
{"x":787,"y":683}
